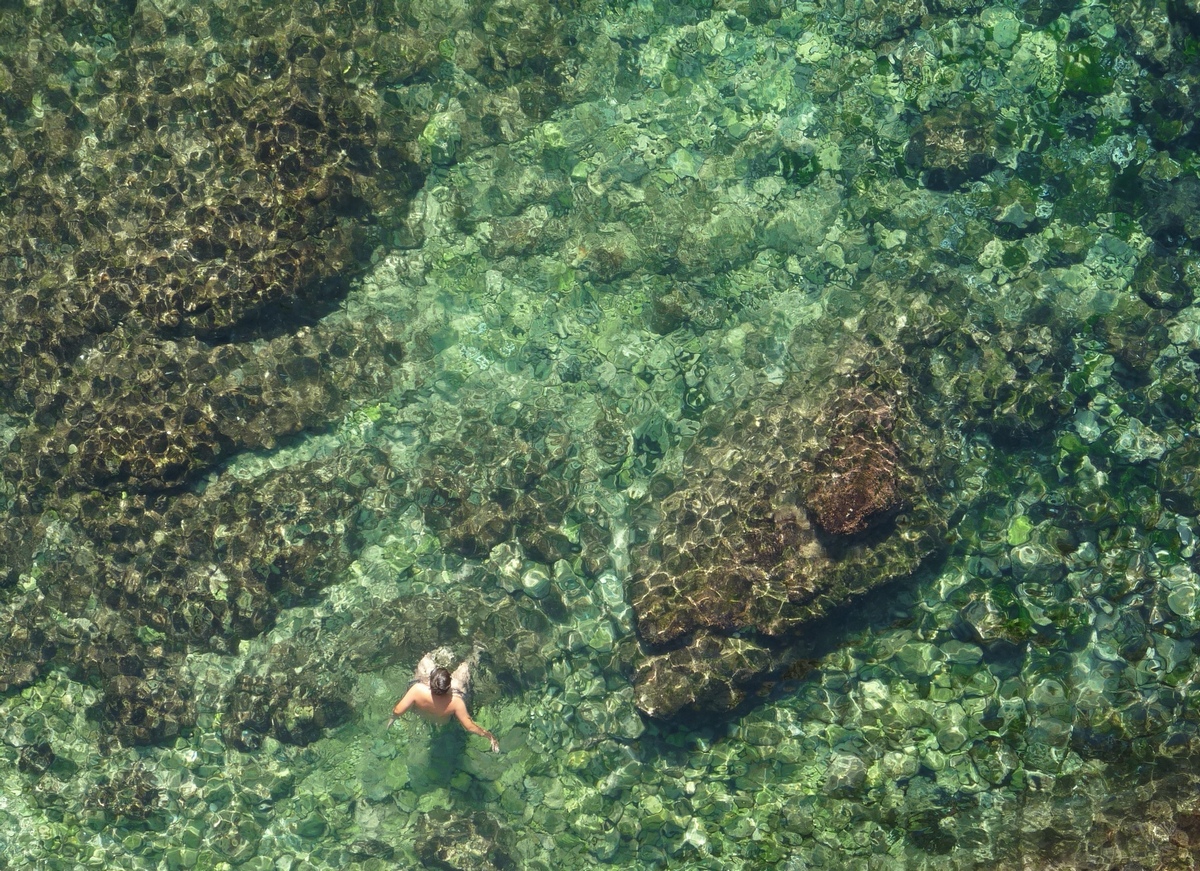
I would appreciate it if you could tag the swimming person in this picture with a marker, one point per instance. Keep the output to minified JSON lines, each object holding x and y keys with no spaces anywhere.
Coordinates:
{"x":437,"y":695}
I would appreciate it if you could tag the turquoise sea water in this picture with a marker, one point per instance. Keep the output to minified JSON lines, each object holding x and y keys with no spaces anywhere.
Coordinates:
{"x":334,"y":333}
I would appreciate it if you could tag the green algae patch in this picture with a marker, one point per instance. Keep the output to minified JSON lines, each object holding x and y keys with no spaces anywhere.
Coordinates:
{"x":1019,"y":529}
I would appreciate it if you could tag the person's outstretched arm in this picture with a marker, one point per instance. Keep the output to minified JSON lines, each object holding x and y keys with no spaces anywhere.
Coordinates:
{"x":401,"y":706}
{"x":460,"y":711}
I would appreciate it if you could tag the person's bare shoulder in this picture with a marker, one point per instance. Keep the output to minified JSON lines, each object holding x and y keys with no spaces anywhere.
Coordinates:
{"x":409,"y":699}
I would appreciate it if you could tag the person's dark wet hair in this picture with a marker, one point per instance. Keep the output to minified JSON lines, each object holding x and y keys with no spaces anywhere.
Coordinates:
{"x":439,"y":682}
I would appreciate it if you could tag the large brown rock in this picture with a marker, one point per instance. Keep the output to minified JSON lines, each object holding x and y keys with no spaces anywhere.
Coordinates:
{"x":856,"y":480}
{"x":794,"y":506}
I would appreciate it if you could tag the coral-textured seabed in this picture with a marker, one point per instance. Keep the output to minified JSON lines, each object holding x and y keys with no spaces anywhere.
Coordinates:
{"x":794,"y":401}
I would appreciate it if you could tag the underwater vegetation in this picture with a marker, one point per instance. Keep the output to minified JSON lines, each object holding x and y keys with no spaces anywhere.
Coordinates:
{"x":795,"y":400}
{"x":183,"y":217}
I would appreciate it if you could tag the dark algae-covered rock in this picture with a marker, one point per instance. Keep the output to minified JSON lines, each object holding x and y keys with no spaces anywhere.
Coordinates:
{"x":132,"y":795}
{"x":854,"y":482}
{"x":1179,"y":478}
{"x":788,"y":510}
{"x":253,"y":207}
{"x":179,"y":225}
{"x":193,"y":405}
{"x":952,"y":147}
{"x":233,"y":557}
{"x":189,"y":194}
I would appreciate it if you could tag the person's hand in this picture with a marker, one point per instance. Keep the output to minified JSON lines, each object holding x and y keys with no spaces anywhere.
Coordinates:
{"x":495,"y":743}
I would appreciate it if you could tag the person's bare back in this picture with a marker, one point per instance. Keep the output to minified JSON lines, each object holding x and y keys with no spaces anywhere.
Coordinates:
{"x":437,"y":695}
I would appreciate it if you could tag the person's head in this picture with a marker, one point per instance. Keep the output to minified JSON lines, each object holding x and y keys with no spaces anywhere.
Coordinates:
{"x":439,"y":682}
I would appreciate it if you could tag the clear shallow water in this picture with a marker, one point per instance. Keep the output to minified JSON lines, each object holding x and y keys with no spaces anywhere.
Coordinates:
{"x":582,"y":253}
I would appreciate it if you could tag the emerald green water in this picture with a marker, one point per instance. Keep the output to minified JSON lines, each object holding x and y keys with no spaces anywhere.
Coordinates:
{"x":337,"y":333}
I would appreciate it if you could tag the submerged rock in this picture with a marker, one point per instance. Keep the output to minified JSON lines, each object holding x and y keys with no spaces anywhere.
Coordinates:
{"x":1179,"y":478}
{"x":153,"y":576}
{"x":952,"y":147}
{"x":788,"y":512}
{"x":132,"y":794}
{"x":855,"y":484}
{"x":451,"y":840}
{"x":187,"y":215}
{"x":845,"y":776}
{"x":288,"y":701}
{"x":1160,"y":281}
{"x":193,"y":405}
